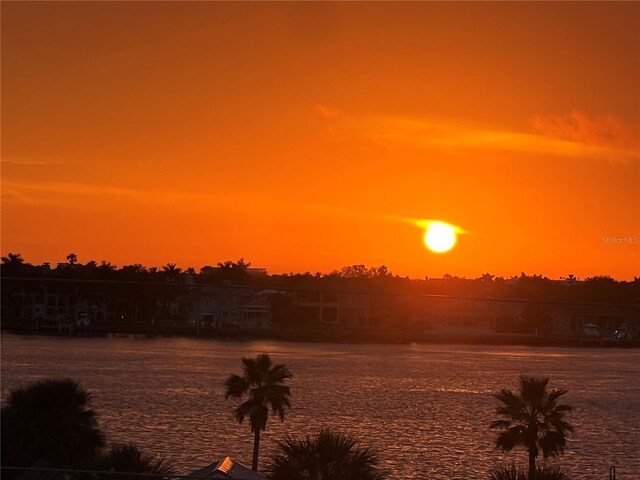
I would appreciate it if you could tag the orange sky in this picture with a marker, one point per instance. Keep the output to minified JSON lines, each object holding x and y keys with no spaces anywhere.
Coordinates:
{"x":301,"y":136}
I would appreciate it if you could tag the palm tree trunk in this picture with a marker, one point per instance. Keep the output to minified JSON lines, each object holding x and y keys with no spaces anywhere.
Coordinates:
{"x":532,"y":465}
{"x":256,"y":449}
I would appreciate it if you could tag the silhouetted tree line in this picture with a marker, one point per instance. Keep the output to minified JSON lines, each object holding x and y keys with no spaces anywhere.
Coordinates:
{"x":136,"y":298}
{"x":597,"y":289}
{"x":145,"y":299}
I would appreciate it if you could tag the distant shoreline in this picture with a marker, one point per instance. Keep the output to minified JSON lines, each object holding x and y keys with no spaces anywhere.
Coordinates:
{"x":350,"y":337}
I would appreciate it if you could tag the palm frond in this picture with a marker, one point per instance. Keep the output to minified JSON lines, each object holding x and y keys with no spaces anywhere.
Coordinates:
{"x":551,"y":473}
{"x":236,"y":385}
{"x":556,"y":393}
{"x":513,"y":437}
{"x":552,"y":443}
{"x":502,"y":424}
{"x":129,"y":458}
{"x":278,"y":374}
{"x":326,"y":455}
{"x":507,"y":473}
{"x":244,"y":410}
{"x":264,"y":363}
{"x":533,"y":389}
{"x":249,"y":370}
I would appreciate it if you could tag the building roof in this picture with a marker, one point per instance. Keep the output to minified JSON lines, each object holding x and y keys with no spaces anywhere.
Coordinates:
{"x":226,"y":468}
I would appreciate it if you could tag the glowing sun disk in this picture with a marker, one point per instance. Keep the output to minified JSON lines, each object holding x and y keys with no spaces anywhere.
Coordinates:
{"x":440,"y":237}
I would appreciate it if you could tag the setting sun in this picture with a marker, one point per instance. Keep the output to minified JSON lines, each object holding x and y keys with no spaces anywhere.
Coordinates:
{"x":440,"y":237}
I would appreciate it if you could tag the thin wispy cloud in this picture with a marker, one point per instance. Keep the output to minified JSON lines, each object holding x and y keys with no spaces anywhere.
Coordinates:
{"x":574,"y":135}
{"x":83,"y":189}
{"x":60,"y":193}
{"x":610,"y":131}
{"x":70,"y":194}
{"x":27,"y":162}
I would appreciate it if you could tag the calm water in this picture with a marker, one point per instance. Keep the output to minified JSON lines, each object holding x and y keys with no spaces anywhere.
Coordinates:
{"x":424,"y":408}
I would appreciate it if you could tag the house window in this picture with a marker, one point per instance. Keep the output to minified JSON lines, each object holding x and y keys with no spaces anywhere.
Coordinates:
{"x":308,"y":297}
{"x":330,"y":297}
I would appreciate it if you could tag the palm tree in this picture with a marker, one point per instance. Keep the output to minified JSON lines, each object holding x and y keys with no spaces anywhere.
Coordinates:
{"x":225,"y":270}
{"x":13,"y":259}
{"x":172,"y":272}
{"x":106,"y":266}
{"x":240,"y":271}
{"x":127,"y":457}
{"x":242,"y":265}
{"x":227,"y":265}
{"x":533,"y":420}
{"x":72,"y":258}
{"x":50,"y":420}
{"x":263,"y":383}
{"x":13,"y":264}
{"x":325,"y":455}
